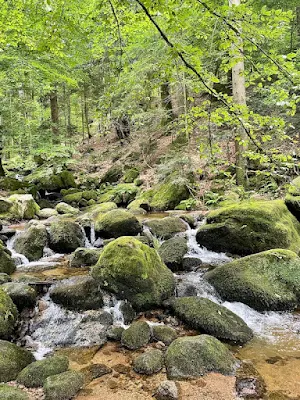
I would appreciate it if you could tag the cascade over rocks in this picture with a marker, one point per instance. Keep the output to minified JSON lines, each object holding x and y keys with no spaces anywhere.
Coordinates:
{"x":250,"y":227}
{"x":65,"y":236}
{"x":8,"y":315}
{"x":165,"y":228}
{"x":12,"y":360}
{"x":193,"y":356}
{"x":134,"y":271}
{"x":265,"y":281}
{"x":31,"y":242}
{"x":116,"y":223}
{"x":211,"y":318}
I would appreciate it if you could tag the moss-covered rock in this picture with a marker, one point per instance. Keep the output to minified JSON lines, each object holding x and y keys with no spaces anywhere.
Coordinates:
{"x":165,"y":228}
{"x":4,"y":278}
{"x":46,"y":179}
{"x":36,"y":373}
{"x":31,"y":242}
{"x":136,"y":336}
{"x":73,"y":198}
{"x":163,"y":333}
{"x":139,"y":206}
{"x":250,"y":227}
{"x":10,"y":184}
{"x":115,"y":333}
{"x":65,"y":236}
{"x":149,"y":363}
{"x":113,"y":174}
{"x":45,"y":213}
{"x":8,"y":315}
{"x":83,"y":257}
{"x":89,"y":194}
{"x":167,"y":196}
{"x":194,"y":356}
{"x":5,"y":205}
{"x":265,"y":281}
{"x":78,"y":293}
{"x":130,"y":175}
{"x":121,"y":194}
{"x":97,"y":209}
{"x":135,"y":272}
{"x":64,"y":208}
{"x":21,"y":294}
{"x":211,"y":318}
{"x":12,"y":360}
{"x":7,"y":265}
{"x":172,"y":252}
{"x":23,"y":206}
{"x":63,"y":386}
{"x":292,"y":199}
{"x":116,"y":223}
{"x":12,"y":393}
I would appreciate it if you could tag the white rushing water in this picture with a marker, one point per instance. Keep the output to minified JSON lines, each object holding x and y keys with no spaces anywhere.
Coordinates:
{"x":17,"y":257}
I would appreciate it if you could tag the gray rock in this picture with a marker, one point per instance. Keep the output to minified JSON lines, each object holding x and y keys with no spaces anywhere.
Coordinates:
{"x":167,"y":390}
{"x":149,"y":362}
{"x":136,"y":336}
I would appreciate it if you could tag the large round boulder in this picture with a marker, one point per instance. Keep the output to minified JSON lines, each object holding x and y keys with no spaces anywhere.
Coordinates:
{"x":36,"y":373}
{"x":116,"y":223}
{"x":8,"y":315}
{"x":136,"y":336}
{"x":66,"y":236}
{"x":250,"y":227}
{"x":167,"y":195}
{"x":7,"y":264}
{"x":149,"y":362}
{"x":193,"y":356}
{"x":134,"y":271}
{"x":211,"y":318}
{"x":23,"y":206}
{"x":63,"y":386}
{"x":31,"y":242}
{"x":64,"y":208}
{"x":78,"y":293}
{"x":21,"y":294}
{"x":167,"y":227}
{"x":12,"y":360}
{"x":172,"y":252}
{"x":265,"y":281}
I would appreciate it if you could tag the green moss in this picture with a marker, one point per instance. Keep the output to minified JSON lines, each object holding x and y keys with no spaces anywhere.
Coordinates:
{"x":48,"y":179}
{"x":121,"y":194}
{"x":65,"y":236}
{"x":113,"y":175}
{"x":139,"y":204}
{"x":12,"y":360}
{"x":117,"y":223}
{"x":64,"y":208}
{"x":266,"y":281}
{"x":63,"y":386}
{"x":163,"y":333}
{"x":168,"y":195}
{"x":72,"y":190}
{"x":5,"y":205}
{"x":8,"y":315}
{"x":84,"y":257}
{"x":149,"y":362}
{"x":250,"y":227}
{"x":36,"y":373}
{"x":12,"y":393}
{"x":4,"y":278}
{"x":23,"y":206}
{"x":90,"y":195}
{"x":293,"y":204}
{"x":115,"y":333}
{"x":97,"y":209}
{"x":73,"y":198}
{"x":165,"y":228}
{"x":31,"y":242}
{"x":47,"y":213}
{"x":7,"y":264}
{"x":193,"y":356}
{"x":211,"y":318}
{"x":294,"y":187}
{"x":136,"y":336}
{"x":21,"y":294}
{"x":130,"y":175}
{"x":134,"y":271}
{"x":172,"y":252}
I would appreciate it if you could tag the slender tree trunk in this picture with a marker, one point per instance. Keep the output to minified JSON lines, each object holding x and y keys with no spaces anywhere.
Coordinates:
{"x":239,"y":98}
{"x":54,"y":114}
{"x":166,"y":100}
{"x":86,"y":111}
{"x":2,"y":172}
{"x":298,"y":22}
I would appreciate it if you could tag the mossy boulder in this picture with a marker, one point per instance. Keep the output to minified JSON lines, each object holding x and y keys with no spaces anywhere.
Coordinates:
{"x":12,"y":393}
{"x":64,"y":208}
{"x":250,"y":227}
{"x":31,"y":242}
{"x":97,"y":209}
{"x":130,"y":175}
{"x":4,"y":278}
{"x":21,"y":294}
{"x":121,"y":194}
{"x":78,"y":293}
{"x":23,"y":206}
{"x":83,"y":257}
{"x":115,"y":333}
{"x":113,"y":174}
{"x":12,"y":360}
{"x":265,"y":281}
{"x":47,"y":179}
{"x":139,"y":206}
{"x":163,"y":333}
{"x":165,"y":228}
{"x":63,"y":386}
{"x":149,"y":363}
{"x":45,"y":213}
{"x":136,"y":336}
{"x":292,"y":199}
{"x":211,"y":318}
{"x":8,"y":315}
{"x":66,"y":236}
{"x":7,"y":265}
{"x":167,"y":196}
{"x":116,"y":223}
{"x":5,"y":205}
{"x":172,"y":252}
{"x":36,"y":373}
{"x":10,"y":184}
{"x":193,"y":356}
{"x":134,"y":271}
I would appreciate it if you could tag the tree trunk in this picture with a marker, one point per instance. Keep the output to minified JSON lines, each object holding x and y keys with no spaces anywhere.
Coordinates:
{"x":54,"y":114}
{"x":2,"y":172}
{"x":166,"y":100}
{"x":86,"y":111}
{"x":298,"y":22}
{"x":239,"y":98}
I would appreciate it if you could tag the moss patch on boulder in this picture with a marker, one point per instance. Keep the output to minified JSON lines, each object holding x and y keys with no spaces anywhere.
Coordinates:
{"x":250,"y":227}
{"x":116,"y":223}
{"x":149,"y":363}
{"x":8,"y":315}
{"x":136,"y":336}
{"x":12,"y":393}
{"x":63,"y":386}
{"x":7,"y":265}
{"x":193,"y":356}
{"x":23,"y":206}
{"x":134,"y":271}
{"x":112,"y":175}
{"x":211,"y":318}
{"x":265,"y":281}
{"x":83,"y":257}
{"x":167,"y":196}
{"x":65,"y":236}
{"x":121,"y":194}
{"x":163,"y":333}
{"x":4,"y":278}
{"x":31,"y":242}
{"x":12,"y":360}
{"x":64,"y":208}
{"x":21,"y":294}
{"x":130,"y":175}
{"x":172,"y":252}
{"x":45,"y":213}
{"x":165,"y":228}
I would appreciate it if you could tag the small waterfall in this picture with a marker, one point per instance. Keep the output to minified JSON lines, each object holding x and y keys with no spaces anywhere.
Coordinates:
{"x":112,"y":305}
{"x":18,"y":258}
{"x":93,"y":234}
